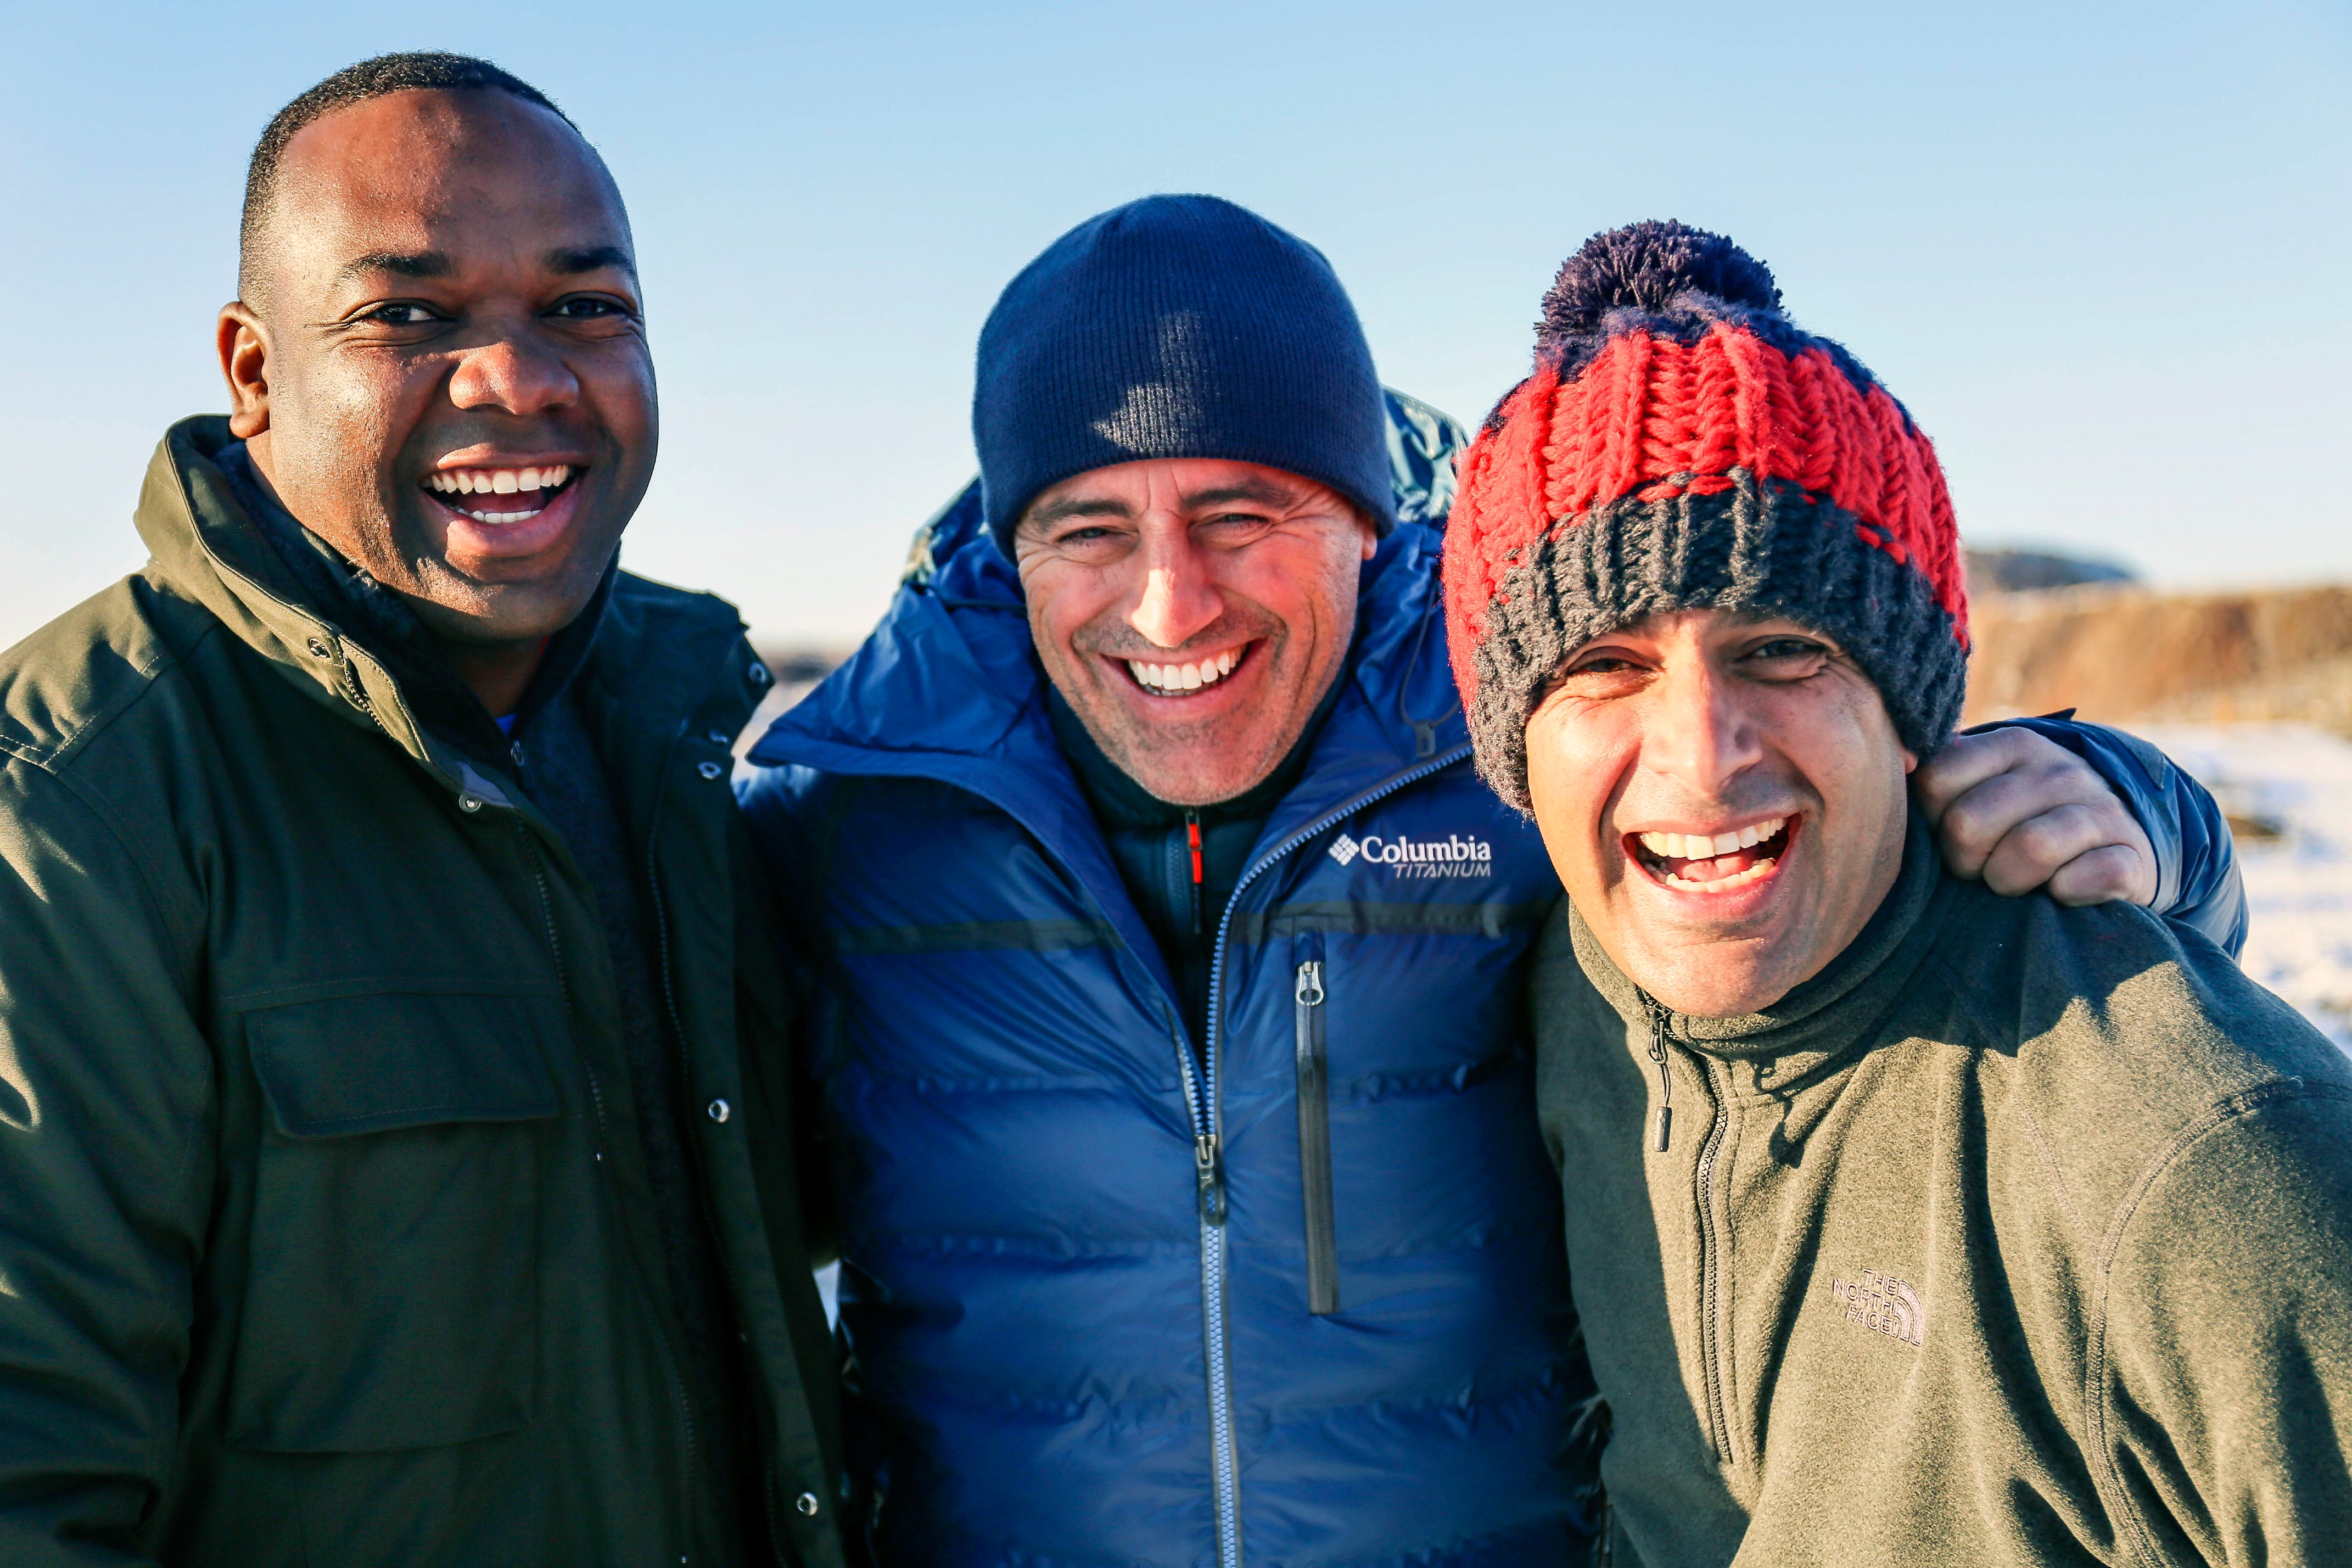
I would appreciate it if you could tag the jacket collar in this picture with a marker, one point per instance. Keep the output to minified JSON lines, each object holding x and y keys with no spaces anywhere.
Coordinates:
{"x":949,"y":682}
{"x":646,"y":648}
{"x":1832,"y":1012}
{"x":351,"y":598}
{"x":948,"y":687}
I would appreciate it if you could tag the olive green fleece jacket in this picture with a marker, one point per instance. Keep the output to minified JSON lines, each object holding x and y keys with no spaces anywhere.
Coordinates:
{"x":325,"y":1234}
{"x":2021,"y":1235}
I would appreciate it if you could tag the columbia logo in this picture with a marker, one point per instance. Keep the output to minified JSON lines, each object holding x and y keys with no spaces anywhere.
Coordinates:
{"x":1344,"y":849}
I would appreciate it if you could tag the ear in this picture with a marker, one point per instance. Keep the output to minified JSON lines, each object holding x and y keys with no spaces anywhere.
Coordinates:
{"x":245,"y":360}
{"x":1370,"y":530}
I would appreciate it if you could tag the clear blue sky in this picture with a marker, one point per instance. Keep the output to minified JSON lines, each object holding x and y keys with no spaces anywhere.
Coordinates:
{"x":2100,"y":252}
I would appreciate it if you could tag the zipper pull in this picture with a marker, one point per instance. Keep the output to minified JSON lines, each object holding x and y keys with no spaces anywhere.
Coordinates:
{"x":1665,"y":1080}
{"x":1192,"y":838}
{"x":1209,"y":1170}
{"x":1310,"y":984}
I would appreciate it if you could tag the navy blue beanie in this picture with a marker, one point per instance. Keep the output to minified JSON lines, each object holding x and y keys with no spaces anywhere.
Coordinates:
{"x":1176,"y":327}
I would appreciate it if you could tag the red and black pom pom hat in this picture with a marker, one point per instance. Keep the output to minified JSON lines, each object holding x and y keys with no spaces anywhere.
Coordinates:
{"x":1681,"y":444}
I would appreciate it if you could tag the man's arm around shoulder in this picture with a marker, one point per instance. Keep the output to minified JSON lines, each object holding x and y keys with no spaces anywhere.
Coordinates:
{"x":2222,"y":1370}
{"x":105,"y":1174}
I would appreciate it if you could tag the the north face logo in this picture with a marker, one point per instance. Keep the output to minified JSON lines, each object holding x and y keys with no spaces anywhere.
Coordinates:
{"x":1882,"y":1303}
{"x":1344,"y":849}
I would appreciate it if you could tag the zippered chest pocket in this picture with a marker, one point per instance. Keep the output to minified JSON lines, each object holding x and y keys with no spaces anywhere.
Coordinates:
{"x":392,"y":1286}
{"x":1308,"y":996}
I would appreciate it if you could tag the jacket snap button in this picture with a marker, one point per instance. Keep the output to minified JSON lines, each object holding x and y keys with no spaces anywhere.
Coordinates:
{"x":719,"y":738}
{"x":807,"y":1504}
{"x":759,"y":674}
{"x":721,"y":1111}
{"x":469,"y":802}
{"x":318,"y":649}
{"x":709,"y":769}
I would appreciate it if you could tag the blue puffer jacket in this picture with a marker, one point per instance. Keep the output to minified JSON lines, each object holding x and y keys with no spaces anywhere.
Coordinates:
{"x":1297,"y":1299}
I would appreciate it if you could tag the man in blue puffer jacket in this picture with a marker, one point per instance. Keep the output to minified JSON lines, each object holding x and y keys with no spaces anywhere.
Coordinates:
{"x":1171,"y":1052}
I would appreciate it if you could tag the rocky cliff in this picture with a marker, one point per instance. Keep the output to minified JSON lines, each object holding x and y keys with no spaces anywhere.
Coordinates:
{"x":2121,"y":652}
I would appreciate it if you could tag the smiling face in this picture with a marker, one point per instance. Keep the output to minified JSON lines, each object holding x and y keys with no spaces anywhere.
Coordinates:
{"x":1724,"y":798}
{"x":443,"y":371}
{"x":1193,"y":612}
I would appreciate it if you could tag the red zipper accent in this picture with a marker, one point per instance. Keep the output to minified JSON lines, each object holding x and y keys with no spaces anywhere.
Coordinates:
{"x":1192,"y":837}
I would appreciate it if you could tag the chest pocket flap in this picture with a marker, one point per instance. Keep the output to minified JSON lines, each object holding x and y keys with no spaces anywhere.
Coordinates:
{"x":391,"y":1288}
{"x":370,"y":1064}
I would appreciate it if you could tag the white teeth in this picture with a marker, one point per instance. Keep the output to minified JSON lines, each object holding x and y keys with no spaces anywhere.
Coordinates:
{"x":1184,"y":677}
{"x":1702,"y":846}
{"x":497,"y":481}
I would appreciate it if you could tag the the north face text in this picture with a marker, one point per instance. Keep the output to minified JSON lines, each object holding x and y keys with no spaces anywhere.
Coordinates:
{"x":1882,"y":1304}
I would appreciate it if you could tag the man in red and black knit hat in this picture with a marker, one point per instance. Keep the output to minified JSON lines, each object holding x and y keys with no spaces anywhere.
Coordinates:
{"x":1908,"y":1223}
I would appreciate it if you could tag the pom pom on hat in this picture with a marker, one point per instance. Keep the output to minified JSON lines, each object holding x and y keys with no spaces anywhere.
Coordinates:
{"x":1648,"y":266}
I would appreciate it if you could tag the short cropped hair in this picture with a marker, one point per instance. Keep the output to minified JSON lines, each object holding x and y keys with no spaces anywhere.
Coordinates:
{"x":430,"y":70}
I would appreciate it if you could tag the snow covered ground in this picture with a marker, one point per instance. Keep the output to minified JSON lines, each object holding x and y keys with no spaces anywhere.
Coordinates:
{"x":2291,"y":786}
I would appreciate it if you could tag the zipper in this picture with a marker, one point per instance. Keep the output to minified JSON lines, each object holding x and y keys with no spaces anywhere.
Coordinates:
{"x":1192,"y":842}
{"x":1202,"y":1099}
{"x":563,"y":981}
{"x":1710,"y":1243}
{"x":1314,"y":1136}
{"x":676,"y":1378}
{"x":1665,"y":1080}
{"x":1209,"y":1197}
{"x":1710,"y":1265}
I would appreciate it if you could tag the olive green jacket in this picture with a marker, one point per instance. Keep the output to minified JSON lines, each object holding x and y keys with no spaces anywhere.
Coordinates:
{"x":2021,"y":1235}
{"x":325,"y":1238}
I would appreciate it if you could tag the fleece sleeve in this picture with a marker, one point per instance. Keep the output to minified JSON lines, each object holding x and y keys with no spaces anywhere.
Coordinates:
{"x":2223,"y":1371}
{"x":105,"y":1177}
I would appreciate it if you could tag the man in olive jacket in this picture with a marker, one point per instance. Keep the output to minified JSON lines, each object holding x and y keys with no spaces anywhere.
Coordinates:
{"x":395,"y":1161}
{"x":1907,"y":1223}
